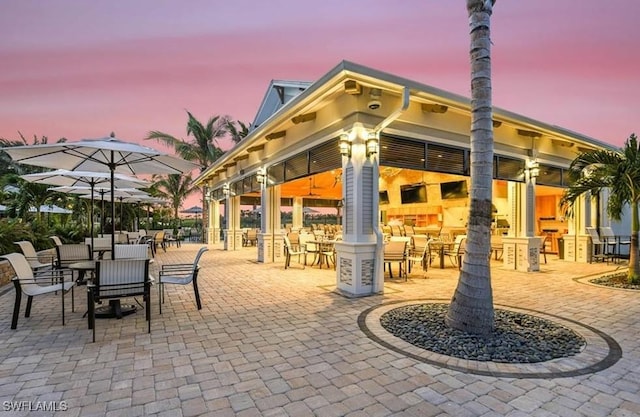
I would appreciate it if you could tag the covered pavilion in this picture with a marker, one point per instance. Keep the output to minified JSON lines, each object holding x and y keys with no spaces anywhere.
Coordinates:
{"x":387,"y":149}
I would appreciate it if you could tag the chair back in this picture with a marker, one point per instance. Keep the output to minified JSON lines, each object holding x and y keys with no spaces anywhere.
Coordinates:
{"x":135,"y":251}
{"x":287,"y":244}
{"x":459,"y":242}
{"x":420,"y":242}
{"x":121,"y":278}
{"x":607,"y":234}
{"x":158,"y":237}
{"x":23,"y":271}
{"x":304,"y":240}
{"x":56,"y":240}
{"x":72,"y":253}
{"x":409,"y":231}
{"x":27,"y":249}
{"x":395,"y":250}
{"x":99,"y":242}
{"x":396,"y":231}
{"x":595,"y":238}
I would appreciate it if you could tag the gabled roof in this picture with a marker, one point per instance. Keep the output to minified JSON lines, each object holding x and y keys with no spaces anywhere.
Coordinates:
{"x":278,"y":94}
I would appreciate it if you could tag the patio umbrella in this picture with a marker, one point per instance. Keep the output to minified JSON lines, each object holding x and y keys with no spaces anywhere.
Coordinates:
{"x":193,"y":210}
{"x":51,"y":208}
{"x":107,"y":154}
{"x":91,"y":180}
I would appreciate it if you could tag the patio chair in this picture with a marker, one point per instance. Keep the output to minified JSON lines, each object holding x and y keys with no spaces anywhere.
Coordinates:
{"x":419,"y":253}
{"x":26,"y":283}
{"x":32,"y":257}
{"x":181,"y":274}
{"x":456,"y":252}
{"x":135,"y":251}
{"x":307,"y":241}
{"x":158,"y":240}
{"x":251,"y":237}
{"x":395,"y":251}
{"x":598,"y":245}
{"x":68,"y":254}
{"x":545,"y":246}
{"x":290,"y":250}
{"x":117,"y":279}
{"x":615,"y":242}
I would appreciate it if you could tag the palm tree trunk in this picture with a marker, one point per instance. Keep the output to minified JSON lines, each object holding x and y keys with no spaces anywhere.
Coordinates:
{"x":634,"y":260}
{"x":471,"y":308}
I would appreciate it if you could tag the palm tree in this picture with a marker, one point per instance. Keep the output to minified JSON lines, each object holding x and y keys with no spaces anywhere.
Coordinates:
{"x":175,"y":188}
{"x":618,"y":170}
{"x":237,"y":133}
{"x":471,"y":309}
{"x":204,"y":149}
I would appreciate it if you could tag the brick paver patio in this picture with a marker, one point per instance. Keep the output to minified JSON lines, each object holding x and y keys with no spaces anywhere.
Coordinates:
{"x":275,"y":342}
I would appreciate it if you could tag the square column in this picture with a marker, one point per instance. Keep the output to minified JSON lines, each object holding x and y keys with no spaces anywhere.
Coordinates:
{"x":359,"y":257}
{"x":214,"y":222}
{"x":270,"y":238}
{"x":521,"y":253}
{"x":233,"y":233}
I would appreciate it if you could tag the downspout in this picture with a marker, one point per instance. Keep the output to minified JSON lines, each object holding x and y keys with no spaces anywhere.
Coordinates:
{"x":378,"y":272}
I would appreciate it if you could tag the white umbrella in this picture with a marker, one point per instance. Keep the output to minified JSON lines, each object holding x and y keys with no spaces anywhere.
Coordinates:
{"x":51,"y":208}
{"x":91,"y":180}
{"x":106,"y":154}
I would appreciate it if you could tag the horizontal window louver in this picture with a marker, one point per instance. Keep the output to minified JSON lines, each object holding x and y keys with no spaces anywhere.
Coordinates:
{"x":509,"y":169}
{"x":325,"y":157}
{"x":402,"y":153}
{"x":446,"y":159}
{"x":550,"y":176}
{"x":275,"y":174}
{"x":296,"y":167}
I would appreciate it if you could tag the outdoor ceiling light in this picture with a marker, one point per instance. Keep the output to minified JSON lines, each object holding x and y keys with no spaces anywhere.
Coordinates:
{"x":225,"y":190}
{"x":372,"y":144}
{"x":345,"y":145}
{"x":260,"y":176}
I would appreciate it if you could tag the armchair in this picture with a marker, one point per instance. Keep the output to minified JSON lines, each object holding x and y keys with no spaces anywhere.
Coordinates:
{"x":32,"y":285}
{"x":180,"y":274}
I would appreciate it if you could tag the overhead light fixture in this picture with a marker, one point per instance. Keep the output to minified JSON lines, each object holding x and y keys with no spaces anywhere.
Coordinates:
{"x":534,"y":168}
{"x":375,"y":102}
{"x":225,"y":190}
{"x":372,"y":144}
{"x":345,"y":145}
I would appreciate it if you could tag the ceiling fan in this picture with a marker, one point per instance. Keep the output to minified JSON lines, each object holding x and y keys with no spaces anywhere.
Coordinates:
{"x":312,"y":186}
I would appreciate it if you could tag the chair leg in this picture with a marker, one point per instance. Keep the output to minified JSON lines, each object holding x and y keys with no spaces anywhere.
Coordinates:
{"x":160,"y":296}
{"x":92,"y":314}
{"x":16,"y":306}
{"x":27,"y":311}
{"x":197,"y":293}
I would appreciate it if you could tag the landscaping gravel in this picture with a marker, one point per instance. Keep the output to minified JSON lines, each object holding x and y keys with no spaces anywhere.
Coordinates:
{"x":518,"y":338}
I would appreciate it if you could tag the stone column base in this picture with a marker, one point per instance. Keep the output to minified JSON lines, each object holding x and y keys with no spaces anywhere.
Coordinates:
{"x":521,"y":253}
{"x":355,"y":269}
{"x":232,"y":239}
{"x":213,"y":235}
{"x":578,"y":248}
{"x":270,"y":248}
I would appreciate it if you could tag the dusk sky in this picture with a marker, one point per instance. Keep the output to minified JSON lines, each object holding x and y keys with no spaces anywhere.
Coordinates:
{"x":82,"y":69}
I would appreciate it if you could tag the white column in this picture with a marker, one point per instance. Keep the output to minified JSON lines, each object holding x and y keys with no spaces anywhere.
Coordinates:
{"x":297,"y":214}
{"x":359,"y":256}
{"x":233,"y":233}
{"x":214,"y":221}
{"x":270,"y":241}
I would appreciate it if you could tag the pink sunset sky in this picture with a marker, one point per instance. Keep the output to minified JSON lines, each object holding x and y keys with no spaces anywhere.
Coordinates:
{"x":82,"y":69}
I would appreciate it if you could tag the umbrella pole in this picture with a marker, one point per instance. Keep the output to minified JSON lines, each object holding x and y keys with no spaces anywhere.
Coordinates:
{"x":112,"y":168}
{"x":91,"y":215}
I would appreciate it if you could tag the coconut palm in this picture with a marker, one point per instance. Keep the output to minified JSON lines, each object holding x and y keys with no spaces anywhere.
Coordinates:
{"x":237,"y":133}
{"x":471,"y":309}
{"x":175,"y":188}
{"x":619,"y":171}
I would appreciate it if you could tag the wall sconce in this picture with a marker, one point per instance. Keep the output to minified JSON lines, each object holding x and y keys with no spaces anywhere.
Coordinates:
{"x":340,"y":203}
{"x":345,"y":145}
{"x":372,"y":144}
{"x":261,"y":176}
{"x":225,"y":190}
{"x":534,"y":169}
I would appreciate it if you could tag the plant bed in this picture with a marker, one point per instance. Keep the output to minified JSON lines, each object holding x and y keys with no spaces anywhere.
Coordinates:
{"x":615,"y":280}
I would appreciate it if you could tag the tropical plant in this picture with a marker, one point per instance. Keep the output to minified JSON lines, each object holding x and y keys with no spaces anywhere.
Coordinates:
{"x":237,"y":133}
{"x":175,"y":188}
{"x":619,"y":171}
{"x":471,"y":309}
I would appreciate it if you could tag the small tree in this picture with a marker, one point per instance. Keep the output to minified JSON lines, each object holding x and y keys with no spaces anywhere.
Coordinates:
{"x":619,"y":171}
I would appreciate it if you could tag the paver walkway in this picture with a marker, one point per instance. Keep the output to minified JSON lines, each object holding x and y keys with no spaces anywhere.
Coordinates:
{"x":275,"y":342}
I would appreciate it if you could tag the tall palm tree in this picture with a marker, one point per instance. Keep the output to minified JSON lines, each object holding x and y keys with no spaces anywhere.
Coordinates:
{"x":237,"y":133}
{"x":471,"y":309}
{"x":204,"y":149}
{"x":619,"y":171}
{"x":175,"y":188}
